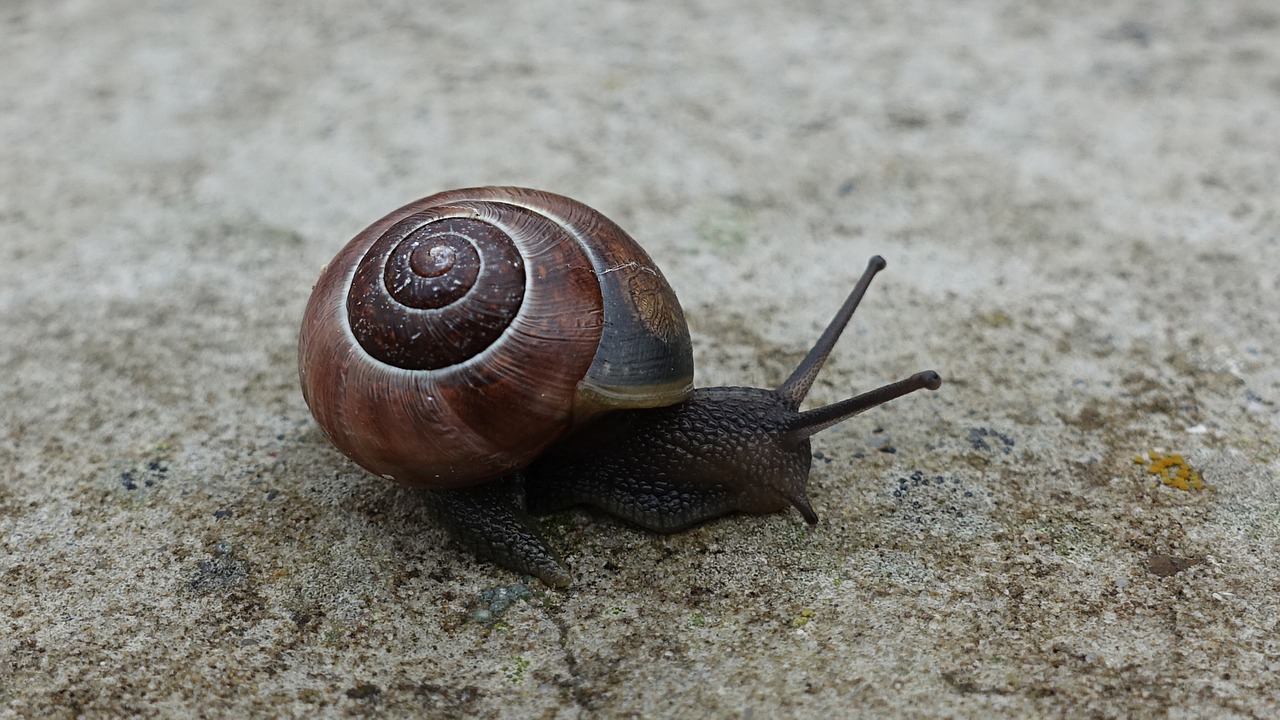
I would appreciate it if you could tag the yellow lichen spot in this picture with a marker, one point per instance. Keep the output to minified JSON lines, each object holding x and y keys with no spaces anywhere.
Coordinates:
{"x":803,"y":618}
{"x":1173,"y":470}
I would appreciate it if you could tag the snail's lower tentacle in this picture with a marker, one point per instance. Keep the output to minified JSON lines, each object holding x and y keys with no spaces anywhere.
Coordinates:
{"x":491,"y":521}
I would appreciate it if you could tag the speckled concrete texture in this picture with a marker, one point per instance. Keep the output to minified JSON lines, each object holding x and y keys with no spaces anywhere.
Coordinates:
{"x":1079,"y":206}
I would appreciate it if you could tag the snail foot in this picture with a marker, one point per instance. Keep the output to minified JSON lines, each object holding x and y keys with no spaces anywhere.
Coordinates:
{"x":490,"y":520}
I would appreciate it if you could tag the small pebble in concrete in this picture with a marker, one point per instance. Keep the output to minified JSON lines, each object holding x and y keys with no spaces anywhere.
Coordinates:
{"x":494,"y":602}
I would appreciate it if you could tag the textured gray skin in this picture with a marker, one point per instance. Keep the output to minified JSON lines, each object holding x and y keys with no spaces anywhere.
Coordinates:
{"x":666,"y":469}
{"x":726,"y":449}
{"x":491,"y":521}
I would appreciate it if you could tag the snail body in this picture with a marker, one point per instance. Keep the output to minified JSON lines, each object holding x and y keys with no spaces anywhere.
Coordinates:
{"x":515,"y":351}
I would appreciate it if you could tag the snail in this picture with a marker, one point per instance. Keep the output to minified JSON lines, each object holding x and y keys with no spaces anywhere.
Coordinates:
{"x":514,"y":352}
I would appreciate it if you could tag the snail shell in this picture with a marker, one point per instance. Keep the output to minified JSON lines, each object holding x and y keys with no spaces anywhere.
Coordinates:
{"x":456,"y":338}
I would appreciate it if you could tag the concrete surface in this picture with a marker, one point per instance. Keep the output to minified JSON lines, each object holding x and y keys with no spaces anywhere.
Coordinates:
{"x":1078,"y":203}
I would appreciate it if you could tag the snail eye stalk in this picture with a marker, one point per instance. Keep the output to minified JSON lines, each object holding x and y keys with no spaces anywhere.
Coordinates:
{"x":796,"y":387}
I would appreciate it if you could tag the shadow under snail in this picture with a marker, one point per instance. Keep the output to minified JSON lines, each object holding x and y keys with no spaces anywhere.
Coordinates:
{"x":516,"y":353}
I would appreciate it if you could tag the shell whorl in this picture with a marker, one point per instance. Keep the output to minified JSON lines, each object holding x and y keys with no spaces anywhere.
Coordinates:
{"x":456,"y":338}
{"x":435,"y":290}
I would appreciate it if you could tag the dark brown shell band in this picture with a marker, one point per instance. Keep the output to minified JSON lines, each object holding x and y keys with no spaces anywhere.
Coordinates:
{"x":435,"y":291}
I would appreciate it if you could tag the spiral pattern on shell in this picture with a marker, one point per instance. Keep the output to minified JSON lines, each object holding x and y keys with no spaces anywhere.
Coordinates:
{"x":455,"y":339}
{"x":422,"y":298}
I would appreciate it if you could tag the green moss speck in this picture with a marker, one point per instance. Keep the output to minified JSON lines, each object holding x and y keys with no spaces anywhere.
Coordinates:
{"x":515,"y":673}
{"x":331,"y":638}
{"x":723,"y":230}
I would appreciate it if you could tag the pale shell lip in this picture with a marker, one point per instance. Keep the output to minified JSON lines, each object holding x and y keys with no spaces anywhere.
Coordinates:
{"x":594,"y":398}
